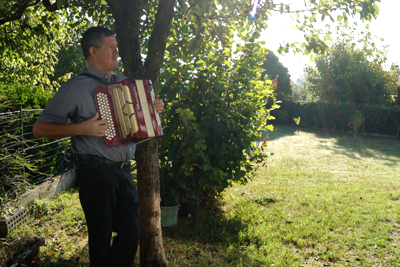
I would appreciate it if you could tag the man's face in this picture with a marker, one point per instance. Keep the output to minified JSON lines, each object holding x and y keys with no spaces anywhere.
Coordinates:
{"x":107,"y":55}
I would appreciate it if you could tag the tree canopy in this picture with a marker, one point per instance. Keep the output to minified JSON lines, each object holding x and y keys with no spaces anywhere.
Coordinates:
{"x":42,"y":26}
{"x":273,"y":68}
{"x":353,"y":71}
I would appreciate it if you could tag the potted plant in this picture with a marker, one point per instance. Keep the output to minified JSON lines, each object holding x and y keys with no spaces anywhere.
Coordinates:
{"x":169,"y":200}
{"x":190,"y":193}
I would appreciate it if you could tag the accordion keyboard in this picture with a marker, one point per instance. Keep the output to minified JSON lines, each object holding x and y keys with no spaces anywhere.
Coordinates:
{"x":153,"y":100}
{"x":105,"y":113}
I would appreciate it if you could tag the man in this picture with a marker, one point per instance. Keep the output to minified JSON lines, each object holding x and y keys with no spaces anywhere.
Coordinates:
{"x":108,"y":196}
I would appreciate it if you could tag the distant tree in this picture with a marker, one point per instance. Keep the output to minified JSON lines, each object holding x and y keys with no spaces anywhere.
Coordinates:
{"x":350,"y":73}
{"x":301,"y":92}
{"x":272,"y":68}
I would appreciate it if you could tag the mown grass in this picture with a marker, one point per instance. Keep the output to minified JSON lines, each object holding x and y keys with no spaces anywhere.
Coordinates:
{"x":324,"y":199}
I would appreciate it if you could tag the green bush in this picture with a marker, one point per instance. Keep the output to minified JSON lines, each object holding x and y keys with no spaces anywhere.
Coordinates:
{"x":213,"y":117}
{"x":40,"y":207}
{"x":25,"y":96}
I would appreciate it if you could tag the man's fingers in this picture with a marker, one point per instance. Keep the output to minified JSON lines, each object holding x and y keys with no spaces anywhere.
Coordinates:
{"x":159,"y":105}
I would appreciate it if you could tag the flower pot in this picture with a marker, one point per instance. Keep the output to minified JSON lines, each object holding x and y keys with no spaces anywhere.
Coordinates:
{"x":169,"y":216}
{"x":7,"y":225}
{"x":189,"y":209}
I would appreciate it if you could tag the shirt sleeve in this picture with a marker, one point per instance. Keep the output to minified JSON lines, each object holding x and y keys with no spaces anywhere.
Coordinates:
{"x":63,"y":105}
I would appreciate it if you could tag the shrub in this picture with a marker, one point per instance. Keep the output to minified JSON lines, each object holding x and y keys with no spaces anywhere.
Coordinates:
{"x":40,"y":207}
{"x":25,"y":96}
{"x":214,"y":116}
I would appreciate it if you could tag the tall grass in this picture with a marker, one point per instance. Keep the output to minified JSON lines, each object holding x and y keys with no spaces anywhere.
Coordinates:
{"x":322,"y":200}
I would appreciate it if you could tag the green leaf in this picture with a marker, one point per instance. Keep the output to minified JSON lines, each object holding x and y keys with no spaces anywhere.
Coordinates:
{"x":185,"y":29}
{"x":312,"y":58}
{"x":2,"y":3}
{"x":281,"y":8}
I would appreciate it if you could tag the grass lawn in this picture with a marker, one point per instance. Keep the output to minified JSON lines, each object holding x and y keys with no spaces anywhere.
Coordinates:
{"x":324,"y":199}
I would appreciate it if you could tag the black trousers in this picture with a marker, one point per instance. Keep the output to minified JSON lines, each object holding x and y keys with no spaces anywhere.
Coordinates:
{"x":110,"y":202}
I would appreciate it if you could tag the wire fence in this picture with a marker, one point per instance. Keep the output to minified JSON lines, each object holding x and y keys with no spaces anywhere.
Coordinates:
{"x":25,"y":159}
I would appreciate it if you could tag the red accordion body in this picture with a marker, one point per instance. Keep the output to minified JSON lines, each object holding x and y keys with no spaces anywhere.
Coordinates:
{"x":128,"y":106}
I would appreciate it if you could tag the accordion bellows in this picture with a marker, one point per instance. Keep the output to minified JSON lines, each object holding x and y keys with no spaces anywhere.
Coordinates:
{"x":128,"y":106}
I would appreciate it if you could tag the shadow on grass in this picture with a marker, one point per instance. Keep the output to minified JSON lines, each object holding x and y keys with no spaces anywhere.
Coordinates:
{"x":210,"y":238}
{"x":81,"y":258}
{"x":212,"y":233}
{"x":382,"y":148}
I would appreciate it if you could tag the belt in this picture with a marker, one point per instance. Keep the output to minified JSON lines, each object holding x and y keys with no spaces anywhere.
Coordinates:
{"x":119,"y":164}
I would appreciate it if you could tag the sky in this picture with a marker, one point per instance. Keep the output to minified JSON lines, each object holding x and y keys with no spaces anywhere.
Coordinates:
{"x":280,"y":30}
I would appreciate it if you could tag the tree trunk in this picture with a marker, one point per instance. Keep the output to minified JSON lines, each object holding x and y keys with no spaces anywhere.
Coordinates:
{"x":151,"y":244}
{"x":127,"y":15}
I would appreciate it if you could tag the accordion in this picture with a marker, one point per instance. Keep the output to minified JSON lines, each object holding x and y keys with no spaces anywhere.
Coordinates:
{"x":128,"y":106}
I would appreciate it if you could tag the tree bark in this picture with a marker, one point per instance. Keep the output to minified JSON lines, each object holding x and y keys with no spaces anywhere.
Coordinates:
{"x":152,"y":251}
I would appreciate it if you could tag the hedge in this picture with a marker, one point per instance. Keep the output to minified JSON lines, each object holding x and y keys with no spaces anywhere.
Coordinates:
{"x":383,"y":120}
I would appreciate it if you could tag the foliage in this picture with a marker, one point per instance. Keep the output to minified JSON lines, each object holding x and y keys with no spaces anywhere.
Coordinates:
{"x":169,"y":190}
{"x":28,"y":46}
{"x":70,"y":62}
{"x":14,"y":173}
{"x":301,"y":92}
{"x":34,"y":31}
{"x":352,"y":74}
{"x":214,"y":116}
{"x":13,"y":179}
{"x":25,"y":96}
{"x":297,"y":120}
{"x":37,"y":35}
{"x":273,"y":68}
{"x":40,"y":207}
{"x":24,"y":159}
{"x":357,"y":119}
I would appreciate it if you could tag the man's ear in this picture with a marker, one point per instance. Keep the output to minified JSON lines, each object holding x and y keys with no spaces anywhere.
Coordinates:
{"x":92,"y":51}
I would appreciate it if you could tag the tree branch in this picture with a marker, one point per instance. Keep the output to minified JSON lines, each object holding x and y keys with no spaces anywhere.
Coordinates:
{"x":127,"y":15}
{"x":20,"y":9}
{"x":158,"y":40}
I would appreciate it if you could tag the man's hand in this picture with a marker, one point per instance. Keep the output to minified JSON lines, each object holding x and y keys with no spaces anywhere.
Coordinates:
{"x":94,"y":126}
{"x":158,"y":104}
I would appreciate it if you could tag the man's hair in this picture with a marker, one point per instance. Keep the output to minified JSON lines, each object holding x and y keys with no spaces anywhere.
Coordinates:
{"x":94,"y":36}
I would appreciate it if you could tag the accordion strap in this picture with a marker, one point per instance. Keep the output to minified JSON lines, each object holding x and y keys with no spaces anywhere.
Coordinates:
{"x":114,"y":78}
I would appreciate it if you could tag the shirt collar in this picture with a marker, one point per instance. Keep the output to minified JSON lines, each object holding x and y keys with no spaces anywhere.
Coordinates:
{"x":101,"y":74}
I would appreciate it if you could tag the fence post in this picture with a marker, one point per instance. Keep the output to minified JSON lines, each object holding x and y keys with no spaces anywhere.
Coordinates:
{"x":22,"y":138}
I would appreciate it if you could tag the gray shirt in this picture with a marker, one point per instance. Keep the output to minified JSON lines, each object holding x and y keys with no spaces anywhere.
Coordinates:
{"x":75,"y":101}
